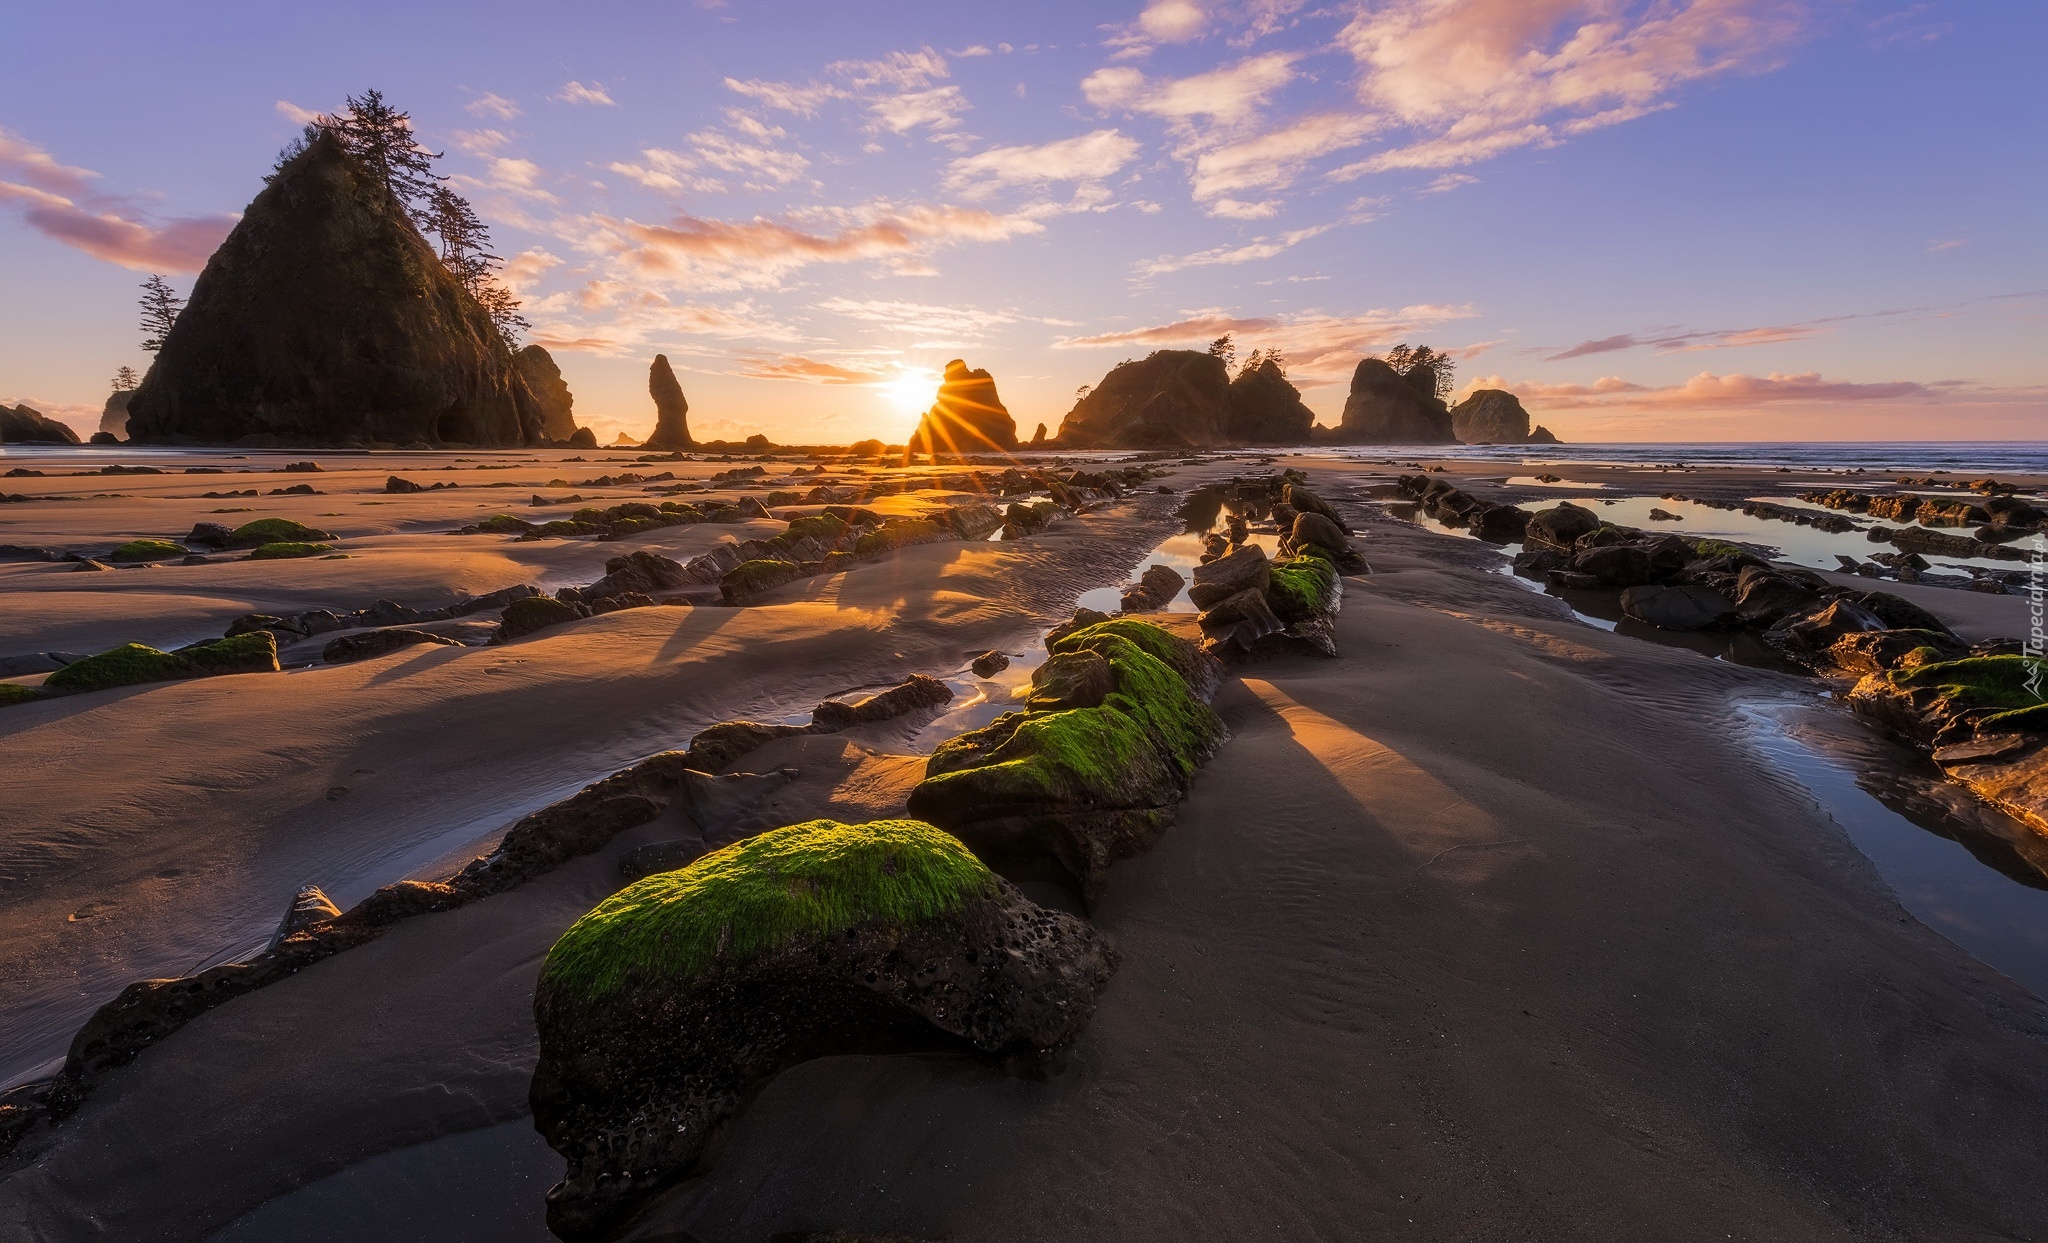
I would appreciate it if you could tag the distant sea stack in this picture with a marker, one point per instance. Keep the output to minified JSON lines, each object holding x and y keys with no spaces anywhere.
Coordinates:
{"x":550,"y":392}
{"x":1492,"y":416}
{"x":114,"y":417}
{"x":1388,"y":408}
{"x":325,"y":319}
{"x":671,"y":410}
{"x":967,"y":417}
{"x":28,"y":425}
{"x":1266,"y":409}
{"x":1174,"y":399}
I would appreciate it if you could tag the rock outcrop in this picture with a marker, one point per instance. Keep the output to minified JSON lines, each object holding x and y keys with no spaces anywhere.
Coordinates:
{"x":325,"y":319}
{"x":671,"y":410}
{"x":1168,"y":400}
{"x":666,"y":1008}
{"x":26,"y":424}
{"x":114,"y":418}
{"x":1266,"y":408}
{"x":1174,"y":399}
{"x":967,"y":417}
{"x":1493,"y":416}
{"x":1388,"y":408}
{"x":550,"y":392}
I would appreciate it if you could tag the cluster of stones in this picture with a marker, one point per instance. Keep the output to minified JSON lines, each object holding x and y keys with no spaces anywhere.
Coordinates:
{"x":1983,"y":714}
{"x":1834,"y":524}
{"x":2000,"y":520}
{"x":1447,"y":503}
{"x":133,"y":664}
{"x":148,"y":1011}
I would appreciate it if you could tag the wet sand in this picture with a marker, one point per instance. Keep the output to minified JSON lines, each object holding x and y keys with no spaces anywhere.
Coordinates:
{"x":1493,"y":928}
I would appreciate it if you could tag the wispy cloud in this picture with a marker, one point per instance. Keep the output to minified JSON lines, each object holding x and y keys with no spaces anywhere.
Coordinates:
{"x":1257,"y":248}
{"x":1678,"y":342}
{"x":1089,"y":157}
{"x":58,"y":201}
{"x":577,"y":93}
{"x":898,"y":92}
{"x":495,"y":107}
{"x":1707,"y":391}
{"x":809,"y":370}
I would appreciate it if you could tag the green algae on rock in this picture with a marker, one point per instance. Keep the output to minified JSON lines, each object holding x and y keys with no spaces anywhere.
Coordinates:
{"x":12,"y":693}
{"x":666,"y":1008}
{"x":1977,"y":693}
{"x":275,"y":531}
{"x":132,"y":664}
{"x":287,"y":550}
{"x":138,"y":550}
{"x":814,"y":880}
{"x":1075,"y":789}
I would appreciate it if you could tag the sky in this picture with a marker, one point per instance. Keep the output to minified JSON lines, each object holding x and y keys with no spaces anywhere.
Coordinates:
{"x":1685,"y":220}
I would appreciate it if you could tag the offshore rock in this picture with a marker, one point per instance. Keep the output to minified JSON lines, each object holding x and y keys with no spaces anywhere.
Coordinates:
{"x":325,"y":319}
{"x":671,"y":410}
{"x":1386,"y":408}
{"x":967,"y":416}
{"x":550,"y":392}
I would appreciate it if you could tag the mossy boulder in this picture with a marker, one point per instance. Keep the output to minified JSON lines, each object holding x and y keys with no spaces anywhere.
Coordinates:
{"x":132,"y":664}
{"x":286,"y":550}
{"x":275,"y":531}
{"x":1068,"y":792}
{"x":663,"y":1010}
{"x":1304,"y":587}
{"x":140,"y":550}
{"x":1940,"y":701}
{"x":534,"y":613}
{"x":824,"y":528}
{"x":750,"y":578}
{"x":12,"y":693}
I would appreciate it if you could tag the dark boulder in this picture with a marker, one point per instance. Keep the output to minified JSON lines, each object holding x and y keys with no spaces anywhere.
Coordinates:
{"x":1559,"y":528}
{"x":1071,"y":680}
{"x":966,"y":417}
{"x":550,"y":392}
{"x":114,"y":415}
{"x":1385,"y":408}
{"x":671,"y":410}
{"x":536,"y":613}
{"x":325,"y":319}
{"x":1618,"y":565}
{"x":1240,"y":620}
{"x":1154,"y":590}
{"x":1243,"y":568}
{"x":918,"y":693}
{"x":669,"y":1006}
{"x":989,"y":664}
{"x":1900,"y":613}
{"x":1689,"y":607}
{"x":1302,"y":500}
{"x":373,"y":643}
{"x":1763,"y":595}
{"x":1821,"y":625}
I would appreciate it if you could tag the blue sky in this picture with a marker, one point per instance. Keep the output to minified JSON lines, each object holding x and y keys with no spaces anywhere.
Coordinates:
{"x":1684,"y":219}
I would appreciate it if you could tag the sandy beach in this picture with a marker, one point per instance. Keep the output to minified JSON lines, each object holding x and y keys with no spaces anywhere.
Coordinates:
{"x":1494,"y":927}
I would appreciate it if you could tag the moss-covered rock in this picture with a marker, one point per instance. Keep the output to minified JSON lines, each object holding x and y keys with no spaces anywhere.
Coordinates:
{"x":275,"y":531}
{"x":286,"y":550}
{"x":12,"y":693}
{"x":139,"y":550}
{"x":665,"y":1008}
{"x":254,"y":652}
{"x":823,"y":528}
{"x":750,"y":578}
{"x":1304,"y":587}
{"x":127,"y":665}
{"x":1074,"y":790}
{"x":1937,"y":701}
{"x":899,"y":533}
{"x":524,"y":617}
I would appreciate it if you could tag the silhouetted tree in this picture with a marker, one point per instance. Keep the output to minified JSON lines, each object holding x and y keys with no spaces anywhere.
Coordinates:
{"x":296,"y":147}
{"x":1224,"y":348}
{"x":125,"y":379}
{"x":380,"y":138}
{"x":504,"y":311}
{"x":1442,"y":367}
{"x":160,"y":307}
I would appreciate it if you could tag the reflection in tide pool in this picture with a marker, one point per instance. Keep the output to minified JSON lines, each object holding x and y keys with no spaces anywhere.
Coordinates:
{"x":1964,"y":870}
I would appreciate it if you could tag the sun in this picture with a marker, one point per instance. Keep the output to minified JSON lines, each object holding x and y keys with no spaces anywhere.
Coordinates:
{"x":910,"y":390}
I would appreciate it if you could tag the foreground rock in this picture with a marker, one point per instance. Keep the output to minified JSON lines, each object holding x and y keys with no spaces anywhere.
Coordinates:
{"x":664,"y":1009}
{"x":325,"y":319}
{"x":1073,"y":786}
{"x":1985,"y":717}
{"x":671,"y":409}
{"x":966,"y":417}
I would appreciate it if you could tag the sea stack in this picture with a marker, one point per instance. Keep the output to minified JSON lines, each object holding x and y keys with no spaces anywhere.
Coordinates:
{"x":1266,"y":408}
{"x":544,"y":380}
{"x":26,"y":424}
{"x":1169,"y":399}
{"x":325,"y":319}
{"x":1388,"y":408}
{"x":671,"y":410}
{"x":1492,"y":416}
{"x":967,"y":417}
{"x":114,"y":416}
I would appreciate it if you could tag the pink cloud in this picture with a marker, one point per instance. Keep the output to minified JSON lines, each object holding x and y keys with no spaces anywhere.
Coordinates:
{"x":47,"y":194}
